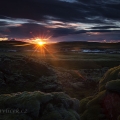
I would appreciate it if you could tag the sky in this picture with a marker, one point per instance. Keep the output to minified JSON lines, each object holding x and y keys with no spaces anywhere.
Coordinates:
{"x":60,"y":20}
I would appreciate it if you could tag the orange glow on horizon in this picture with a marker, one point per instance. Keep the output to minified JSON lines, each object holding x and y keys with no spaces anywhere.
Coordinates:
{"x":40,"y":42}
{"x":40,"y":45}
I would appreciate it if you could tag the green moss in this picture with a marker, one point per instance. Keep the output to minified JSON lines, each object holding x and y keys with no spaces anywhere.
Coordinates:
{"x":83,"y":103}
{"x":55,"y":106}
{"x":54,"y":115}
{"x":96,"y":100}
{"x":74,"y":114}
{"x":111,"y":74}
{"x":90,"y":108}
{"x":60,"y":114}
{"x":119,"y":75}
{"x":23,"y":101}
{"x":60,"y":95}
{"x":118,"y":118}
{"x":92,"y":113}
{"x":101,"y":88}
{"x":15,"y":117}
{"x":113,"y":85}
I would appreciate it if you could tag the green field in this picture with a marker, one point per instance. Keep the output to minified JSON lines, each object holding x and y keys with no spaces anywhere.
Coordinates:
{"x":73,"y":60}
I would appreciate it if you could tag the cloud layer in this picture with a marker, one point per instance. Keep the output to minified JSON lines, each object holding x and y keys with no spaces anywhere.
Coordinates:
{"x":61,"y":18}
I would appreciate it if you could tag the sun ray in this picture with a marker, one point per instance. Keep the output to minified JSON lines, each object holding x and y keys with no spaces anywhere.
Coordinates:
{"x":42,"y":48}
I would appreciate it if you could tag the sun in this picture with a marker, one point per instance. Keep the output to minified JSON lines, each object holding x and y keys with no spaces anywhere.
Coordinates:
{"x":41,"y":43}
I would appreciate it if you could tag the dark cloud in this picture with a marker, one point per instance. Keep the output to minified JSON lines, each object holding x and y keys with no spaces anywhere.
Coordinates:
{"x":60,"y":10}
{"x":3,"y":23}
{"x":104,"y":27}
{"x":31,"y":30}
{"x":62,"y":31}
{"x":102,"y":31}
{"x":102,"y":14}
{"x":25,"y":30}
{"x":34,"y":9}
{"x":107,"y":9}
{"x":91,"y":36}
{"x":28,"y":30}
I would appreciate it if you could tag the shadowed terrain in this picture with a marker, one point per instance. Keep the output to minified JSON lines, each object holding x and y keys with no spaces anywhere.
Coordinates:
{"x":58,"y":85}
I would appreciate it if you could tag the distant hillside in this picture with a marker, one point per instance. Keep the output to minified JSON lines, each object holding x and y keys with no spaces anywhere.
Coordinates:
{"x":19,"y":45}
{"x":89,"y":45}
{"x":15,"y":45}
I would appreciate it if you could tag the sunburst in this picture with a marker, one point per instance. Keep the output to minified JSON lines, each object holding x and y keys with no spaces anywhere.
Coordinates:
{"x":41,"y":45}
{"x":40,"y":42}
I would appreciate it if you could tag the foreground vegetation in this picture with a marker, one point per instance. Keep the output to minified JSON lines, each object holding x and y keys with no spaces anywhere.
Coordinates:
{"x":105,"y":104}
